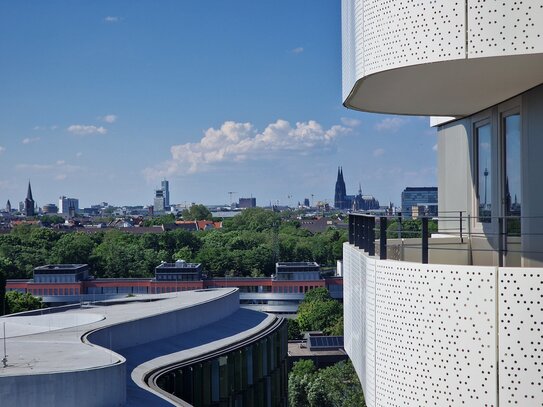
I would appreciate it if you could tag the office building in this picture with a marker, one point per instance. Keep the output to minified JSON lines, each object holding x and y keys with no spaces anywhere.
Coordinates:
{"x":66,"y":204}
{"x":244,"y":203}
{"x":49,"y":209}
{"x":165,"y":185}
{"x":159,"y":205}
{"x":140,"y":351}
{"x":458,"y":323}
{"x":419,"y":201}
{"x":179,"y":271}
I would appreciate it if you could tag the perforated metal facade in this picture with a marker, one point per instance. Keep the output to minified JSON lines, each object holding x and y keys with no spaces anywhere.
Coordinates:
{"x":432,"y":335}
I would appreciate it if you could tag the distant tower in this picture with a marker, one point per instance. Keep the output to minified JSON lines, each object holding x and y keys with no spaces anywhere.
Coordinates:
{"x":29,"y":209}
{"x":166,"y":188}
{"x":8,"y":207}
{"x":340,"y":198}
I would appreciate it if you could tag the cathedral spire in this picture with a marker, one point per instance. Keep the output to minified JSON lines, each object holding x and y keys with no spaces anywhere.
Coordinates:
{"x":29,"y":192}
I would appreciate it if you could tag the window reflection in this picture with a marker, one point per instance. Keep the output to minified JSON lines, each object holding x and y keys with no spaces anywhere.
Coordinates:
{"x":512,"y":197}
{"x":484,"y":176}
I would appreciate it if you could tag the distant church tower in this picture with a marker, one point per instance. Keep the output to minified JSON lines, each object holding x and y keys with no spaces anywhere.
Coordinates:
{"x":29,"y":203}
{"x":340,"y":198}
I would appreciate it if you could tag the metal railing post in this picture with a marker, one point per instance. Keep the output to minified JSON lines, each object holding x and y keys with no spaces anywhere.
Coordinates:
{"x":371,"y":235}
{"x":500,"y":241}
{"x":383,"y":238}
{"x":461,"y":234}
{"x":351,"y":229}
{"x":425,"y":240}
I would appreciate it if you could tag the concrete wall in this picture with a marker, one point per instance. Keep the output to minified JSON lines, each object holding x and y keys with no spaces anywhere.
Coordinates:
{"x":99,"y":387}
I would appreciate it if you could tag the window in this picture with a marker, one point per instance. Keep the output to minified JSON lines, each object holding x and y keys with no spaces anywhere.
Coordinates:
{"x":511,"y":182}
{"x":484,"y":175}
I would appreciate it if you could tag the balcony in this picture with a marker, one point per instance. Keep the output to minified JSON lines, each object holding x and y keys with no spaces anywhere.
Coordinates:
{"x":441,"y":320}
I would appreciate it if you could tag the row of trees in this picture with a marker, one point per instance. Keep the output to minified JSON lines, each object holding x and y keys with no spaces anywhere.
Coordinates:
{"x":248,"y":245}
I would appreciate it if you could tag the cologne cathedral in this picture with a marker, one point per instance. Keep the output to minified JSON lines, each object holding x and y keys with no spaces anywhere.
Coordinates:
{"x":357,"y":202}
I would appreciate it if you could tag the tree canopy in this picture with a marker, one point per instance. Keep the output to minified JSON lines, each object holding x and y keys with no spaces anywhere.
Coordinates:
{"x":197,"y":212}
{"x":334,"y":386}
{"x":19,"y":302}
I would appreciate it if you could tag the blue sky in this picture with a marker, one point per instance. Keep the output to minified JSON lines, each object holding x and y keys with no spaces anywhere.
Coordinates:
{"x":100,"y":100}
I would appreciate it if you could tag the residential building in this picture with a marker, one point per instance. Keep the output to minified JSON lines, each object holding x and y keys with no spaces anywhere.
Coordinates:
{"x":458,"y":323}
{"x":151,"y":350}
{"x":65,"y":204}
{"x":419,"y":200}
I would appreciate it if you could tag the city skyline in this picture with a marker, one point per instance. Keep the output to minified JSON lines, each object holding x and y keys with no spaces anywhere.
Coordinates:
{"x":102,"y":102}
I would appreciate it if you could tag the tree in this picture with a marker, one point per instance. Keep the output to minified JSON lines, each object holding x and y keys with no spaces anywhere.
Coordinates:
{"x":320,"y":312}
{"x":19,"y":302}
{"x":294,"y":331}
{"x":197,"y":212}
{"x":334,"y":386}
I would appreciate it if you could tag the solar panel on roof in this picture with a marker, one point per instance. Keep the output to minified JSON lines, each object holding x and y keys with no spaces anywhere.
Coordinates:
{"x":325,"y":342}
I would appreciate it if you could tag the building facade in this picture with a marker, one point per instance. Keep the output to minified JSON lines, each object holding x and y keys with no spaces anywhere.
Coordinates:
{"x":66,"y":204}
{"x":462,"y":327}
{"x":244,"y":203}
{"x":101,"y":356}
{"x":419,"y":201}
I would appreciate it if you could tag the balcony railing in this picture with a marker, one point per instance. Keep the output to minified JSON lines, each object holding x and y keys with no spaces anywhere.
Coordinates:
{"x":453,"y":238}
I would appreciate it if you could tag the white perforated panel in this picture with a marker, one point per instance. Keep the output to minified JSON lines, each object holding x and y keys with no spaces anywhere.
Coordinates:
{"x":436,"y":335}
{"x":521,"y":336}
{"x":407,"y":32}
{"x":504,"y":27}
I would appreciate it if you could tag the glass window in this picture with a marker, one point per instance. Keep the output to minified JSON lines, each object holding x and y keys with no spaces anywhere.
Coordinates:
{"x":484,"y":176}
{"x":512,"y":197}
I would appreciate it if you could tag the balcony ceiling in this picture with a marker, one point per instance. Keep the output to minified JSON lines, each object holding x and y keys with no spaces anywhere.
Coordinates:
{"x":451,"y":88}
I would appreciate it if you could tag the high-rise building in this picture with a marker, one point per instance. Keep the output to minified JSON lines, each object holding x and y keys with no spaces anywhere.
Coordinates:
{"x":461,"y":322}
{"x":8,"y":207}
{"x":166,"y":188}
{"x":422,"y":200}
{"x":64,"y":205}
{"x":29,"y":205}
{"x":159,"y":202}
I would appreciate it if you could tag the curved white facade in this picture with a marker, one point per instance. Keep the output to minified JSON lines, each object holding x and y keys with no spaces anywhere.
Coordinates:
{"x":423,"y":57}
{"x":443,"y":335}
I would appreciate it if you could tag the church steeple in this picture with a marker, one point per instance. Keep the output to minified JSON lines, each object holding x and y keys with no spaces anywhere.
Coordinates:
{"x":29,"y":202}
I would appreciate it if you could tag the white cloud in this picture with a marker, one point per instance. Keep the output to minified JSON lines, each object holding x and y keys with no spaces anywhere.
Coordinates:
{"x":2,"y":149}
{"x":391,"y":124}
{"x":83,"y":130}
{"x":349,"y":122}
{"x":297,"y":50}
{"x":241,"y":141}
{"x":78,"y":154}
{"x":29,"y":140}
{"x":109,"y":118}
{"x":112,"y":19}
{"x":378,"y":152}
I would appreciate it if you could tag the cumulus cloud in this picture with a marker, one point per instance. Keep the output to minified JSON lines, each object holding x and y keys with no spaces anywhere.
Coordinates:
{"x":391,"y":124}
{"x":83,"y":129}
{"x":349,"y":122}
{"x":242,"y":141}
{"x":29,"y":140}
{"x":112,"y":19}
{"x":109,"y":118}
{"x":297,"y":50}
{"x":378,"y":152}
